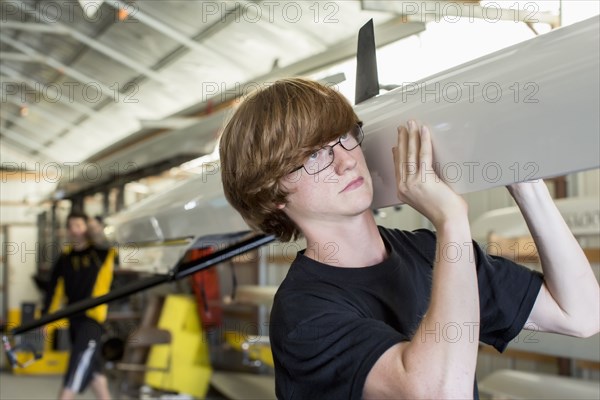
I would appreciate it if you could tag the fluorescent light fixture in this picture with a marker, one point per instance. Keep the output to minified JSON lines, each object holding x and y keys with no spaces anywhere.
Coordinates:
{"x":90,"y":7}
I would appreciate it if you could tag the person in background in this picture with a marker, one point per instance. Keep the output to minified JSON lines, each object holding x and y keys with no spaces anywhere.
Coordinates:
{"x":83,"y":270}
{"x":96,"y":232}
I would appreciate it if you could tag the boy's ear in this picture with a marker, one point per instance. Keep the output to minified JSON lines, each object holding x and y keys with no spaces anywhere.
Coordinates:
{"x":281,"y":206}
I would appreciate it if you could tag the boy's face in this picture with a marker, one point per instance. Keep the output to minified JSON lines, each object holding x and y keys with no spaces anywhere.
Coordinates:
{"x":342,"y":189}
{"x":77,"y":229}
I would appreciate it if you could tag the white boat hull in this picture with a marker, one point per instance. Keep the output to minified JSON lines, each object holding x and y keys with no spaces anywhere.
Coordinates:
{"x":528,"y":111}
{"x":543,"y":123}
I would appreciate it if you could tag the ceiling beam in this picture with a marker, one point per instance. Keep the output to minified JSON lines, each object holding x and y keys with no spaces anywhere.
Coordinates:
{"x":34,"y":27}
{"x":39,"y":110}
{"x":19,"y":121}
{"x":58,"y":66}
{"x":94,"y":44}
{"x":14,"y":156}
{"x":385,"y":33}
{"x":14,"y":56}
{"x":47,"y":90}
{"x":25,"y":141}
{"x":169,"y":122}
{"x":165,"y":29}
{"x":435,"y":10}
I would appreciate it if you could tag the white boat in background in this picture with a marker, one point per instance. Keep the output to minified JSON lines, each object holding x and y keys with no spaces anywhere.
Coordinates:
{"x":155,"y":233}
{"x":582,"y":215}
{"x":527,"y":111}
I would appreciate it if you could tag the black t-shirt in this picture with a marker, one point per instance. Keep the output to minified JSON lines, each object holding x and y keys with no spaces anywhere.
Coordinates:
{"x":329,"y":325}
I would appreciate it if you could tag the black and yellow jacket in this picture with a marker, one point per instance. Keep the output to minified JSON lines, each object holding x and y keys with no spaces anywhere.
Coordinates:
{"x":79,"y":275}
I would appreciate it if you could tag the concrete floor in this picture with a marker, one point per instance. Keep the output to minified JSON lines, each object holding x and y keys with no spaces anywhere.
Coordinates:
{"x":35,"y":387}
{"x":31,"y":387}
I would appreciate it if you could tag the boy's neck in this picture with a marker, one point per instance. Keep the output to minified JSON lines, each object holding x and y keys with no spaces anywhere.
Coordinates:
{"x":80,"y":245}
{"x":353,"y":243}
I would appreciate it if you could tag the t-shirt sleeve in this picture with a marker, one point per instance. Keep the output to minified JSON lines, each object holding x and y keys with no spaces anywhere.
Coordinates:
{"x":324,"y":346}
{"x":507,"y":293}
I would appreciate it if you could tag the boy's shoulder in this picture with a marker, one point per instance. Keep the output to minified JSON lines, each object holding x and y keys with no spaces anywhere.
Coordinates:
{"x":419,"y":240}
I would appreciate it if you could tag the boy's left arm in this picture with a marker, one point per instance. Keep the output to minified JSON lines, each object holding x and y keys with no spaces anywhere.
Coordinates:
{"x":569,"y":300}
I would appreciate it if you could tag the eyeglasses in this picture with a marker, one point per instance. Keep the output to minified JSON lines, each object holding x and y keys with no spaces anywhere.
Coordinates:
{"x":323,"y":157}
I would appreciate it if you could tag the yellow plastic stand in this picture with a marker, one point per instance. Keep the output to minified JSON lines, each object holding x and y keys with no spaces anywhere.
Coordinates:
{"x":185,"y":362}
{"x":52,"y":362}
{"x":256,"y":350}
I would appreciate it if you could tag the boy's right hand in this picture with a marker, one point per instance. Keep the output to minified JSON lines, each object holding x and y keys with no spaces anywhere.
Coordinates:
{"x":418,"y":184}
